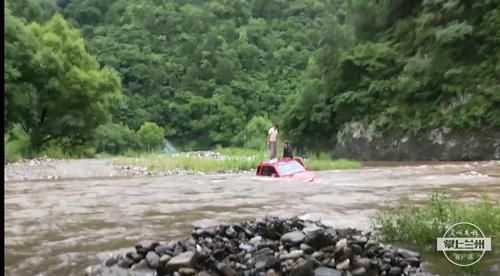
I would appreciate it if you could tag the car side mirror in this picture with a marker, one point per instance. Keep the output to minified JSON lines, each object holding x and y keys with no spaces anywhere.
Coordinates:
{"x":273,"y":175}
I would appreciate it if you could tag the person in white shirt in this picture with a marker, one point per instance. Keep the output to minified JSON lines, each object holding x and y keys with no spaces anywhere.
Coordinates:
{"x":272,"y":139}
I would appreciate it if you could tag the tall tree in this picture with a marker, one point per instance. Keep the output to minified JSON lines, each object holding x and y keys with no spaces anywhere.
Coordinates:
{"x":54,"y":88}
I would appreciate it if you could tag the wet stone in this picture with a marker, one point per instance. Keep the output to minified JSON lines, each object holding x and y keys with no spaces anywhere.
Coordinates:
{"x":405,"y":253}
{"x":134,"y":256}
{"x":197,"y":232}
{"x":303,"y":268}
{"x":343,"y":264}
{"x":148,"y":245}
{"x":125,"y":263}
{"x":356,"y":249}
{"x":395,"y":271}
{"x":271,"y":272}
{"x":363,"y":262}
{"x":152,"y":259}
{"x":360,"y":240}
{"x":225,"y":269}
{"x":348,"y":253}
{"x":171,"y":245}
{"x":326,"y":271}
{"x":385,"y":267}
{"x":187,"y":271}
{"x":328,"y":249}
{"x":370,"y":243}
{"x":111,"y":261}
{"x":306,"y":248}
{"x":317,"y":255}
{"x":309,"y":230}
{"x":142,"y":251}
{"x":329,"y":231}
{"x":341,"y":244}
{"x":318,"y":240}
{"x":264,"y":252}
{"x":178,"y":249}
{"x":413,"y":261}
{"x":295,"y":254}
{"x":359,"y":272}
{"x":140,"y":265}
{"x":246,"y":247}
{"x":211,"y":231}
{"x":185,"y":259}
{"x":294,"y":238}
{"x":388,"y":255}
{"x":230,"y":232}
{"x":165,"y":258}
{"x":269,"y":262}
{"x":161,"y":249}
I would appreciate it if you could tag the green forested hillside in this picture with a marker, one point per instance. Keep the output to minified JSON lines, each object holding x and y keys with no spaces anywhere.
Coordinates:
{"x":202,"y":70}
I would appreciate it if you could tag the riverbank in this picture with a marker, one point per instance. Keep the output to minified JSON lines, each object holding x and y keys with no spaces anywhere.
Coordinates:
{"x":54,"y":169}
{"x":269,"y":246}
{"x":227,"y":161}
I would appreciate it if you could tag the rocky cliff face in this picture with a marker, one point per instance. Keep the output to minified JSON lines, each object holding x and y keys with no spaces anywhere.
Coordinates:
{"x":364,"y":142}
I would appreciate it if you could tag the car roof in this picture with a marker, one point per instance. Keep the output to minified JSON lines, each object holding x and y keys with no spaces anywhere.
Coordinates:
{"x":277,"y":162}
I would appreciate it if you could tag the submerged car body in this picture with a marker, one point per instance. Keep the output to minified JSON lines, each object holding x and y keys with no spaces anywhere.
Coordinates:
{"x":293,"y":169}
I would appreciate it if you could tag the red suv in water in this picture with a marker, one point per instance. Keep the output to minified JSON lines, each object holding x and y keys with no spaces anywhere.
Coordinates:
{"x":286,"y":168}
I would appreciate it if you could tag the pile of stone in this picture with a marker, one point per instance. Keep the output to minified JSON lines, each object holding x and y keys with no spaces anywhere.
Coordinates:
{"x":213,"y":155}
{"x":132,"y":170}
{"x":201,"y":154}
{"x":32,"y":162}
{"x":267,"y":247}
{"x":143,"y":171}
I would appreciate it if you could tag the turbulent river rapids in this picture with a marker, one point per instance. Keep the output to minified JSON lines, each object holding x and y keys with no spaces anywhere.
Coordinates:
{"x":60,"y":227}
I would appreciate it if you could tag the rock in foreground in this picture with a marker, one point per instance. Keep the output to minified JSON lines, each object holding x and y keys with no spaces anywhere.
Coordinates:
{"x":269,"y":246}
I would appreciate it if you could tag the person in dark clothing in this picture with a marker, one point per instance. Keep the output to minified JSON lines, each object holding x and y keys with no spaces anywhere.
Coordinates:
{"x":287,"y":150}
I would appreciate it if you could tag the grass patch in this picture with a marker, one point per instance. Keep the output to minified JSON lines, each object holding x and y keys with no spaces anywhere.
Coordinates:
{"x":169,"y":162}
{"x":420,"y":225}
{"x":235,"y":159}
{"x":323,"y":165}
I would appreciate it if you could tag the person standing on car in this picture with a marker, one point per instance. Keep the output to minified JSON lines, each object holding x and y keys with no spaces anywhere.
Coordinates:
{"x":287,"y":150}
{"x":272,"y":139}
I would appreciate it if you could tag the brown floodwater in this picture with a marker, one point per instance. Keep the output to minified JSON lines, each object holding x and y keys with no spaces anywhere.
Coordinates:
{"x":60,"y":227}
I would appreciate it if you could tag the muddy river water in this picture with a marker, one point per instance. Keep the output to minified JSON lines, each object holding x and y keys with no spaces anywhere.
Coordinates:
{"x":60,"y":227}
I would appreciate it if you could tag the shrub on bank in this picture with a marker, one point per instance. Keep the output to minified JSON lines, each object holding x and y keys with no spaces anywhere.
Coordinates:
{"x":16,"y":145}
{"x":421,"y":224}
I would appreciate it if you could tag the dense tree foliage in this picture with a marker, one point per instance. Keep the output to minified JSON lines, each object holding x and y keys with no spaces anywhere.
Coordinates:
{"x":211,"y":72}
{"x":414,"y":65}
{"x":54,"y":89}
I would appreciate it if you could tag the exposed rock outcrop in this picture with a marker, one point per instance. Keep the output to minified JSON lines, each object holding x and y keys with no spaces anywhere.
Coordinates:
{"x":364,"y":142}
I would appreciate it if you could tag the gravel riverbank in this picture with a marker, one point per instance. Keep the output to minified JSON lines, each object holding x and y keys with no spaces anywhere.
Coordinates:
{"x":270,"y":246}
{"x":48,"y":168}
